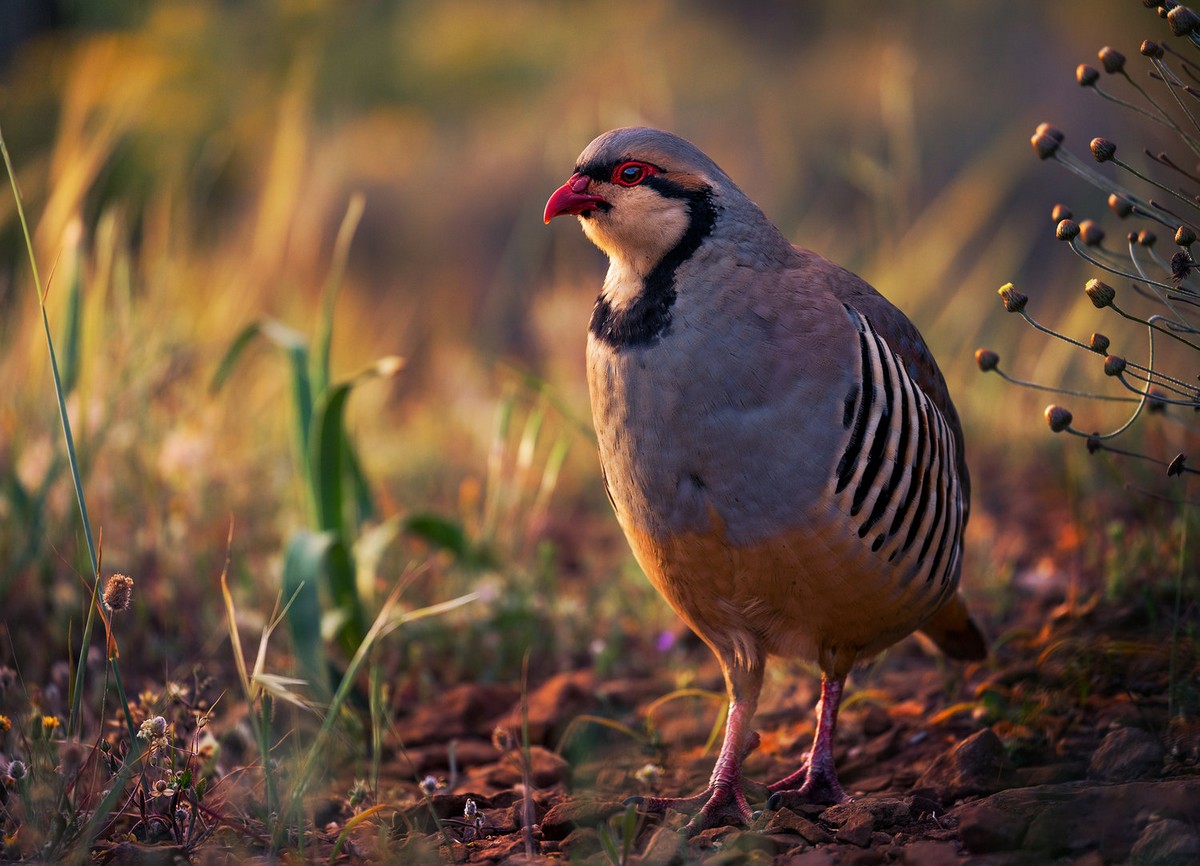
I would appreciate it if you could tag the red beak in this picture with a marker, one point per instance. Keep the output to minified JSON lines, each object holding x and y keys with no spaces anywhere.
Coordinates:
{"x":572,"y":197}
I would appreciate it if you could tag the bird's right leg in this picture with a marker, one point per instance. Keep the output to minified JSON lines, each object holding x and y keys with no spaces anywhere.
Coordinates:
{"x":723,"y":799}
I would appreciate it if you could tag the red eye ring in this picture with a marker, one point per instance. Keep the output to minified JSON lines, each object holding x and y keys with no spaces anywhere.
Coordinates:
{"x":632,"y":172}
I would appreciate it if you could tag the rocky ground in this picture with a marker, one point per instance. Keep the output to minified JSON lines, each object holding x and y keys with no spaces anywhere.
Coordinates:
{"x":1070,"y":745}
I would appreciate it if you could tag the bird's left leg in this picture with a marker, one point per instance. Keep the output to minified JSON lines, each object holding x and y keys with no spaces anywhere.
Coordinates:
{"x":723,"y":799}
{"x":817,"y":780}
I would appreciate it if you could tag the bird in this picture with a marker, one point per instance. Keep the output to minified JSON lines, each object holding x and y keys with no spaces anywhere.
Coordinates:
{"x":775,"y":438}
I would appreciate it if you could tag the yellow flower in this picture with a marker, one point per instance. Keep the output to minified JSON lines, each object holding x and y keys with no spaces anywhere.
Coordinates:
{"x":5,"y":723}
{"x":49,"y":723}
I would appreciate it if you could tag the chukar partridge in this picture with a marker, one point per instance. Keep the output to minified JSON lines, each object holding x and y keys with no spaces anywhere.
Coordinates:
{"x":775,"y":437}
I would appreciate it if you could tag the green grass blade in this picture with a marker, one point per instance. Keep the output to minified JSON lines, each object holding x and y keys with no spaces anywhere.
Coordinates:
{"x":77,"y":689}
{"x":233,"y":354}
{"x":327,"y":449}
{"x":337,"y":272}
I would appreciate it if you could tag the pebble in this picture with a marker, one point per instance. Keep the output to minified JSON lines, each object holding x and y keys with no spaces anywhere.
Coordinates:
{"x":1126,"y":754}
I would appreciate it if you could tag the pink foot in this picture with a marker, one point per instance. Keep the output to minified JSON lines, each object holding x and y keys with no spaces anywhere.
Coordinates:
{"x":816,"y":781}
{"x":714,"y":806}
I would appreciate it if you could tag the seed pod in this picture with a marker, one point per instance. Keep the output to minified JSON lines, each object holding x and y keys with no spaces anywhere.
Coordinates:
{"x":1061,"y":212}
{"x":1090,"y":233}
{"x":1185,"y":236}
{"x":1147,"y":238}
{"x":1181,"y":263}
{"x":1099,"y":344}
{"x":1111,"y":59}
{"x":118,"y":592}
{"x":1045,"y":146}
{"x":1093,"y":444}
{"x":1156,"y":400}
{"x":1067,"y":230}
{"x":1052,"y":131}
{"x":1151,"y":49}
{"x":1086,"y":75}
{"x":1114,"y":365}
{"x":1014,"y":301}
{"x":1101,"y":293}
{"x":986,"y":359}
{"x":1120,"y":205}
{"x":1058,"y":418}
{"x":1103,"y":149}
{"x":1183,"y":20}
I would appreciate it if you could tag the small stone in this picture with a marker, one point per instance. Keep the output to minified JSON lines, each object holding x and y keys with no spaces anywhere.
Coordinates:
{"x":564,"y":817}
{"x":986,"y":829}
{"x":858,"y":829}
{"x":1126,"y":754}
{"x":1166,"y":843}
{"x":580,"y":843}
{"x":977,"y":765}
{"x":787,"y":821}
{"x":665,"y":846}
{"x":927,"y":853}
{"x":545,"y":769}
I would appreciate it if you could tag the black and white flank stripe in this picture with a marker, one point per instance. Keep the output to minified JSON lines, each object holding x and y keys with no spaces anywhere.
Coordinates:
{"x":898,"y":475}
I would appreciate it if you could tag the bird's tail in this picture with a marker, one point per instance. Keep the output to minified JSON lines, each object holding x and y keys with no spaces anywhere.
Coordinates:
{"x":955,"y":633}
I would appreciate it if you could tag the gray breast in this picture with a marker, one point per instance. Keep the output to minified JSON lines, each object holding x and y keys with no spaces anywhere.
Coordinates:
{"x":734,"y":413}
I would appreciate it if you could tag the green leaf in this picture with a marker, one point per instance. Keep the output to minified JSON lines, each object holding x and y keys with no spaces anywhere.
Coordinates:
{"x":440,"y":532}
{"x":327,"y":450}
{"x":304,"y":569}
{"x":232,"y":354}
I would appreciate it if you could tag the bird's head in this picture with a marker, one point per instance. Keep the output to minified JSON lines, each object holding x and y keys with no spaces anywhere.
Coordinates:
{"x":638,"y":193}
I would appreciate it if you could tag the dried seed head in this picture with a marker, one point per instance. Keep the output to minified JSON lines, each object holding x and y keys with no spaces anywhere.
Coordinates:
{"x":1044,"y":145}
{"x":1181,"y":263}
{"x":470,"y":809}
{"x":1052,"y":131}
{"x":1014,"y":301}
{"x":1176,"y":467}
{"x":1086,"y":75}
{"x":1058,"y":418}
{"x":1114,"y":365}
{"x":1103,"y":149}
{"x":503,"y":739}
{"x":1156,"y":399}
{"x":1067,"y":230}
{"x":1111,"y":59}
{"x":1059,"y":213}
{"x":986,"y":359}
{"x":1120,"y":205}
{"x":1147,"y":238}
{"x":1100,"y":293}
{"x":1151,"y":49}
{"x":1090,"y":233}
{"x":1099,"y":344}
{"x":1185,"y":236}
{"x":1183,"y":20}
{"x":16,"y":769}
{"x":118,"y":592}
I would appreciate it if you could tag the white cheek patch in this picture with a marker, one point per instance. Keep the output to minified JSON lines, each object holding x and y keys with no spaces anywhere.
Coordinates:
{"x":641,"y":228}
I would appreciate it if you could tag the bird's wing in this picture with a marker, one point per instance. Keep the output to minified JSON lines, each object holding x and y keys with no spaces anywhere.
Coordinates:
{"x":903,"y":338}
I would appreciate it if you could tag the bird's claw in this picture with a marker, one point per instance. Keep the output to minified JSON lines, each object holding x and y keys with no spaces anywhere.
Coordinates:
{"x":817,"y":788}
{"x":714,"y":806}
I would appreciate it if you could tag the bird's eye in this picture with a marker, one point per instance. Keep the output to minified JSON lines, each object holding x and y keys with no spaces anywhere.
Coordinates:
{"x":632,"y":173}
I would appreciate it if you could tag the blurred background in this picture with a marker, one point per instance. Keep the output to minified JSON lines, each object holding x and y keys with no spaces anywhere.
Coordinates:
{"x":187,"y":165}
